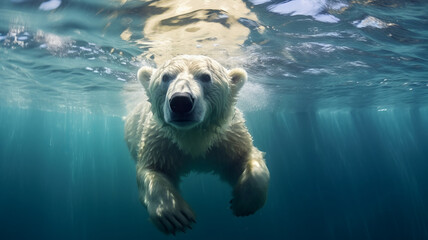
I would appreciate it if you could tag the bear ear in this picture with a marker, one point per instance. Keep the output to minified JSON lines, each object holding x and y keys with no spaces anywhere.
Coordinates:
{"x":144,"y":75}
{"x":238,"y":77}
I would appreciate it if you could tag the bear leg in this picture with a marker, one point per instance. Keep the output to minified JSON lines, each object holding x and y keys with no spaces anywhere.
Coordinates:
{"x":167,"y":209}
{"x":250,"y":191}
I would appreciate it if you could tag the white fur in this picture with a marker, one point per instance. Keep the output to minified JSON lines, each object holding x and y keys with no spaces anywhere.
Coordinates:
{"x":219,"y":142}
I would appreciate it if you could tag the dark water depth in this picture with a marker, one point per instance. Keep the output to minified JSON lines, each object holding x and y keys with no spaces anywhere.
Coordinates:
{"x":350,"y":174}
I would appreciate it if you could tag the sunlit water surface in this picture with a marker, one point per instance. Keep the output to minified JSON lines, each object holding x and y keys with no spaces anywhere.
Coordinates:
{"x":337,"y":97}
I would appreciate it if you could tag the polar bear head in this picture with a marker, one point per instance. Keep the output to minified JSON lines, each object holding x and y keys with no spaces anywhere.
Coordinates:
{"x":192,"y":91}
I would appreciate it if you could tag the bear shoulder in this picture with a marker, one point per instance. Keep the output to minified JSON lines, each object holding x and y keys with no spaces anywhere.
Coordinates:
{"x":134,"y":126}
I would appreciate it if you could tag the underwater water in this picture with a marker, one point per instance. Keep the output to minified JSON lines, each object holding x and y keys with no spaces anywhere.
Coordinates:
{"x":337,"y":97}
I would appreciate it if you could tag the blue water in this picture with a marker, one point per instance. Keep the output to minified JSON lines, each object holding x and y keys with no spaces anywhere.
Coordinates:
{"x":337,"y":97}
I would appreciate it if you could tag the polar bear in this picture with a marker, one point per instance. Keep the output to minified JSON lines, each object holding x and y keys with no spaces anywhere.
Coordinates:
{"x":190,"y":123}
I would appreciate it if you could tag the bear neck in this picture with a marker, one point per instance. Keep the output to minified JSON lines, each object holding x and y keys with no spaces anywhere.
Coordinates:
{"x":197,"y":141}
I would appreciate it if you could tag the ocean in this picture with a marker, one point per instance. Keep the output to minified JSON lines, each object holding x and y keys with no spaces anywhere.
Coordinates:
{"x":337,"y":98}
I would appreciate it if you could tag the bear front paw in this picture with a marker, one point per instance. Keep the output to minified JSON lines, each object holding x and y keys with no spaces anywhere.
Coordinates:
{"x":172,"y":216}
{"x":246,"y":202}
{"x":249,"y":194}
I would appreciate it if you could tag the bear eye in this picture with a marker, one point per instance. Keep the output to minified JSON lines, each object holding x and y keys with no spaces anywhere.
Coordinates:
{"x":167,"y":77}
{"x":204,"y":77}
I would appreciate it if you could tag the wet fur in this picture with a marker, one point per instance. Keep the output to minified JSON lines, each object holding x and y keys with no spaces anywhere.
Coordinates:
{"x":220,"y":143}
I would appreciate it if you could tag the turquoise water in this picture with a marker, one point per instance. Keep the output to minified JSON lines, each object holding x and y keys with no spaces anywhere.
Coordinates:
{"x":337,"y":98}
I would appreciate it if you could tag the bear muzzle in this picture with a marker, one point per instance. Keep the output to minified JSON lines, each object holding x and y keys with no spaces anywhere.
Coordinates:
{"x":181,"y":103}
{"x":182,"y":110}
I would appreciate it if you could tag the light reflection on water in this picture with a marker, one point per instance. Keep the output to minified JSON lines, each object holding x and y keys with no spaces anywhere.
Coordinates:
{"x":94,"y":48}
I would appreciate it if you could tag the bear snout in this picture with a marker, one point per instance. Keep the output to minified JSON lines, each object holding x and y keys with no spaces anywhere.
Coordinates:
{"x":181,"y":103}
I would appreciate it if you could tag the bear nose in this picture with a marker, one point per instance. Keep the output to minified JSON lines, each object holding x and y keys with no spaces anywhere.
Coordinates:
{"x":181,"y":103}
